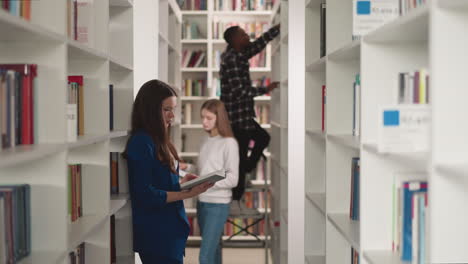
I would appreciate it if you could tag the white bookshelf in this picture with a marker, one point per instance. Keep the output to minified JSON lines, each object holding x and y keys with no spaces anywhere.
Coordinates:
{"x":106,"y":59}
{"x":418,"y":39}
{"x":279,"y":137}
{"x":205,"y":19}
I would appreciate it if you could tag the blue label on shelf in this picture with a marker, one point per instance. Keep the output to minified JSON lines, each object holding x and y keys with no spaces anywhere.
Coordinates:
{"x":363,"y":7}
{"x":391,"y":118}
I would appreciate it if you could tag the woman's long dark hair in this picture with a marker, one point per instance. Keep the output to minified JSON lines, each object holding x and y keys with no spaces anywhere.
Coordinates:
{"x":147,"y":116}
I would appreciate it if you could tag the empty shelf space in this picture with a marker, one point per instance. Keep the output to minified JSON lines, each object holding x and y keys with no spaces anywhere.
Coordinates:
{"x":346,"y":140}
{"x":318,"y":200}
{"x":383,"y":257}
{"x":348,"y":228}
{"x":28,"y":153}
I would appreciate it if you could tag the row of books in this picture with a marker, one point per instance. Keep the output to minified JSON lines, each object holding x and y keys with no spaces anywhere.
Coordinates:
{"x":75,"y":192}
{"x":242,"y":5}
{"x":354,"y":211}
{"x":409,"y":220}
{"x":80,"y":20}
{"x":75,"y":107}
{"x":229,"y":228}
{"x":78,"y":255}
{"x":193,"y":4}
{"x":413,"y":87}
{"x":193,"y":59}
{"x":186,"y":117}
{"x":256,"y":199}
{"x":254,"y":29}
{"x":257,"y":61}
{"x":15,"y":222}
{"x":262,"y":113}
{"x":114,"y":172}
{"x":18,"y":101}
{"x":408,"y":5}
{"x":190,"y":30}
{"x":192,"y":87}
{"x":262,"y":82}
{"x":17,"y":8}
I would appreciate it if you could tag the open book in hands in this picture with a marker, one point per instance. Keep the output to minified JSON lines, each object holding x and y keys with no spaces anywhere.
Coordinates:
{"x":210,"y":177}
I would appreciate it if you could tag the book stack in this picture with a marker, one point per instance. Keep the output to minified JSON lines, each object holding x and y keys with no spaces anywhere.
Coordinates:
{"x":242,"y":5}
{"x":409,"y":220}
{"x":75,"y":197}
{"x":18,"y":101}
{"x":413,"y":87}
{"x":18,"y":8}
{"x":80,"y":21}
{"x":192,"y":4}
{"x":408,"y":5}
{"x":75,"y":107}
{"x":114,"y":172}
{"x":193,"y":59}
{"x":78,"y":255}
{"x":355,"y":181}
{"x":194,"y":87}
{"x":254,"y":29}
{"x":15,"y":222}
{"x":190,"y":30}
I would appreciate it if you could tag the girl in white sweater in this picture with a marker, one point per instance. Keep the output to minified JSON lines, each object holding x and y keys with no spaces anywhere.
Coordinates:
{"x":219,"y":151}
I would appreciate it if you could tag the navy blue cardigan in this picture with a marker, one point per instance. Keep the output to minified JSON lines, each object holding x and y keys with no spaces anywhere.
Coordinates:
{"x":159,"y":228}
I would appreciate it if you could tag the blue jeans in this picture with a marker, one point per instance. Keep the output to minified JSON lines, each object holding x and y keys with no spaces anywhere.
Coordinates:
{"x":211,"y":219}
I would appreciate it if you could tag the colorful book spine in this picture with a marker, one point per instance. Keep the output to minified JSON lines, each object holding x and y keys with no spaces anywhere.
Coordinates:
{"x":15,"y":223}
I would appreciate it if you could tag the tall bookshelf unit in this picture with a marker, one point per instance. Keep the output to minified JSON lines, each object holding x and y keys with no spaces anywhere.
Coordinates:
{"x":415,"y":40}
{"x":107,"y":59}
{"x":192,"y":133}
{"x":279,"y":137}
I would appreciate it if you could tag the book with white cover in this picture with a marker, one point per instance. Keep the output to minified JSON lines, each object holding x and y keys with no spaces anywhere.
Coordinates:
{"x":210,"y":177}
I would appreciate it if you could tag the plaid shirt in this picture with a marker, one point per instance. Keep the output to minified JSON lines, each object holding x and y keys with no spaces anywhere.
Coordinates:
{"x":237,"y":92}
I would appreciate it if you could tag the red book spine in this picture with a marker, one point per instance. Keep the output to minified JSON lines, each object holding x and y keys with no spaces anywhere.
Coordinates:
{"x":27,"y":113}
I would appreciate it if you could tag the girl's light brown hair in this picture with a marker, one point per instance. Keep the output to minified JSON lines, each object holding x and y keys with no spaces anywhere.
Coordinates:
{"x":216,"y":107}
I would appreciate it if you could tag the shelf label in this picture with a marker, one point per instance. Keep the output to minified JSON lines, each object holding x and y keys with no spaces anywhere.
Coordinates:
{"x":404,"y":128}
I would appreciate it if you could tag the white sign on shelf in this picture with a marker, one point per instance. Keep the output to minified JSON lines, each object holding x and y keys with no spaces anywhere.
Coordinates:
{"x":371,"y":14}
{"x":404,"y":128}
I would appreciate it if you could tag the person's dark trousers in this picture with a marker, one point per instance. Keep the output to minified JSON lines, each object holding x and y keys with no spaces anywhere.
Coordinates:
{"x":149,"y":258}
{"x":247,"y":163}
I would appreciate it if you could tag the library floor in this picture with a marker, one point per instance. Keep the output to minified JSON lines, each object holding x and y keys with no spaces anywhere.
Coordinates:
{"x":230,"y":256}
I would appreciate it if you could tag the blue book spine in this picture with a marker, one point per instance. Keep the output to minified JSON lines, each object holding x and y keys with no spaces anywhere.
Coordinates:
{"x":409,"y":188}
{"x":422,"y":229}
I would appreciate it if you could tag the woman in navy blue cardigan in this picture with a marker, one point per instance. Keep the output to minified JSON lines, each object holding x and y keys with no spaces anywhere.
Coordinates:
{"x":160,"y":225}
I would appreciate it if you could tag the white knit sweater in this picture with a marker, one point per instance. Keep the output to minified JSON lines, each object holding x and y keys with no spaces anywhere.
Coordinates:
{"x":219,"y":153}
